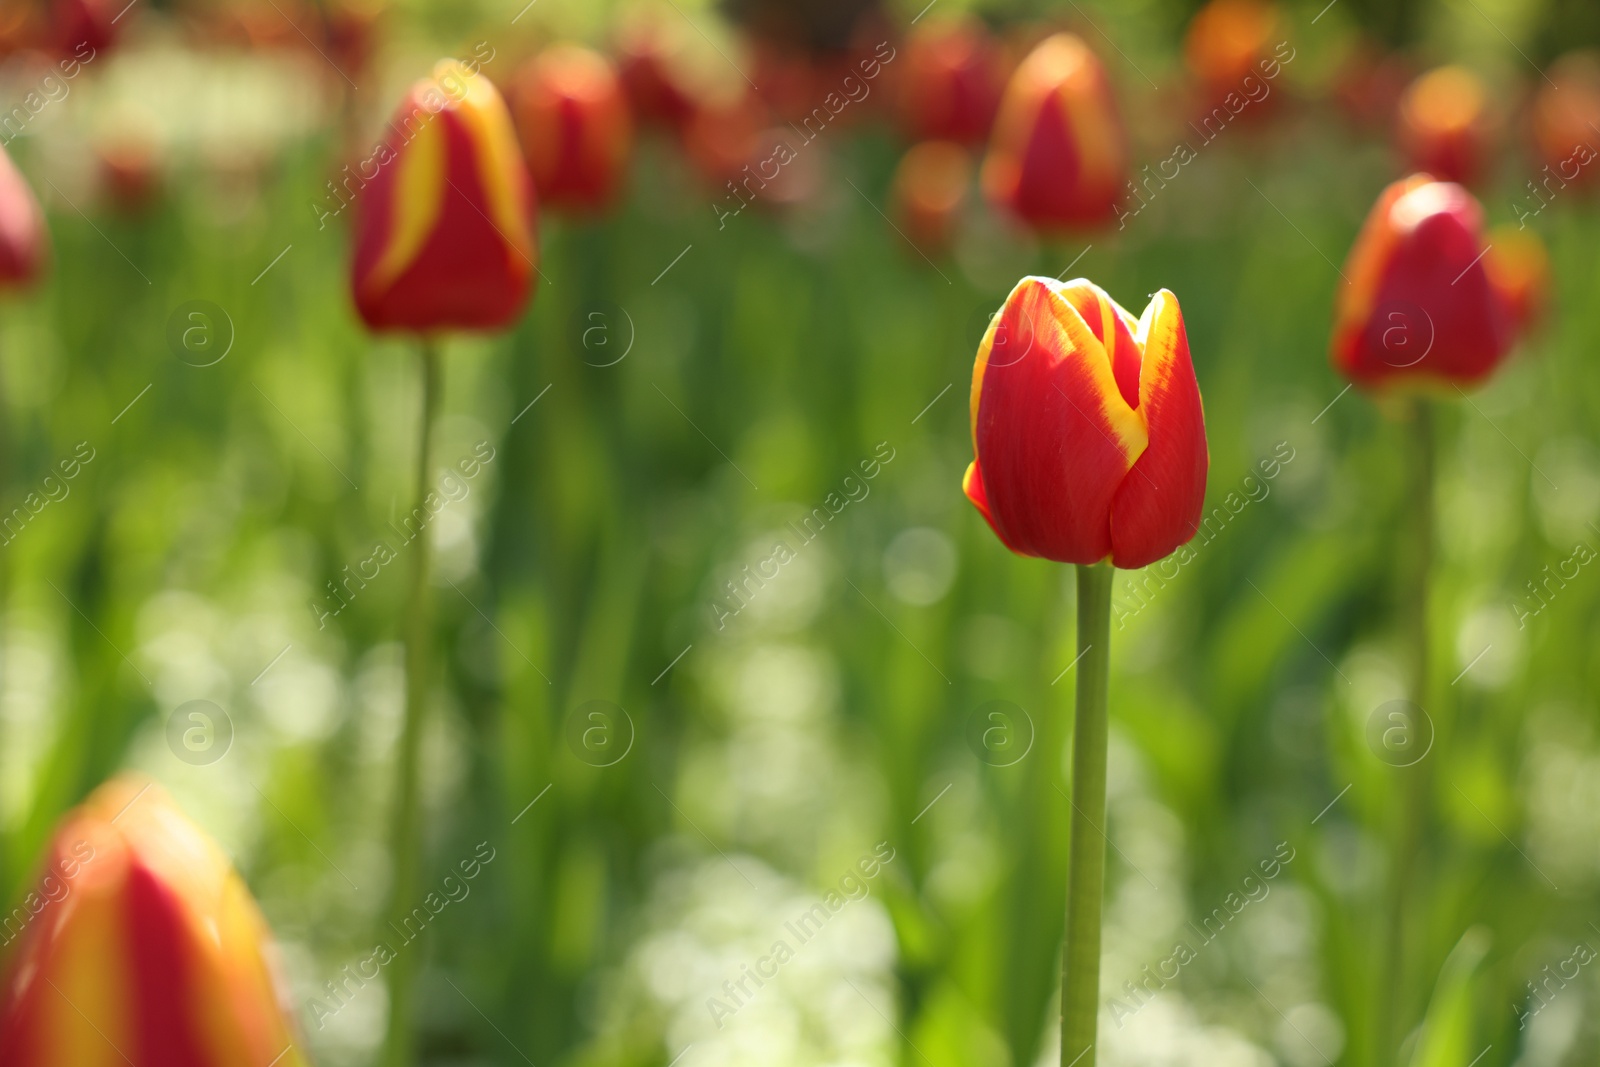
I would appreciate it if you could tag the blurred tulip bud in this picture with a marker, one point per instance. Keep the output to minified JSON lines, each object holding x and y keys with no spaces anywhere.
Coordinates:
{"x":1566,"y":121}
{"x":445,"y":224}
{"x":1519,"y":271}
{"x":575,"y":128}
{"x":130,"y":171}
{"x":1444,"y":124}
{"x":659,"y":69}
{"x":722,"y":135}
{"x":1087,"y":427}
{"x":351,"y":30}
{"x":24,"y":241}
{"x":1419,"y":308}
{"x":1226,"y":43}
{"x":930,"y":186}
{"x":83,"y":28}
{"x":1057,"y":157}
{"x":949,"y":85}
{"x":143,"y":946}
{"x":1367,"y":84}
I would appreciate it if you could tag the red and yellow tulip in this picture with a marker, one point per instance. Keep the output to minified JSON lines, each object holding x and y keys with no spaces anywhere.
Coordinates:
{"x":1519,"y":270}
{"x":24,"y":242}
{"x":1419,"y":307}
{"x":445,"y":229}
{"x":1087,"y":427}
{"x":575,"y":127}
{"x":1057,"y":157}
{"x":1445,"y":124}
{"x":1224,"y":45}
{"x":949,"y":86}
{"x":146,"y":948}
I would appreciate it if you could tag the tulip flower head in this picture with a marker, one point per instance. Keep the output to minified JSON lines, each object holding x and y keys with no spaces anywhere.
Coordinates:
{"x":1519,"y":270}
{"x":145,"y":947}
{"x":1087,"y":427}
{"x":445,"y":231}
{"x":950,"y":84}
{"x":1444,"y":124}
{"x":1057,"y":157}
{"x":1420,"y":308}
{"x":575,"y":128}
{"x":1565,"y":121}
{"x":1224,"y":44}
{"x":24,"y":244}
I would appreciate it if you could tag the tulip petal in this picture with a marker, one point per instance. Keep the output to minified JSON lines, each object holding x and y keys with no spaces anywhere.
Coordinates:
{"x":1053,"y":435}
{"x":1158,"y":506}
{"x":1114,"y":328}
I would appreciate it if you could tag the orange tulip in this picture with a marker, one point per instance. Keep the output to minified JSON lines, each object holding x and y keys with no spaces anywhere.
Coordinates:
{"x":141,"y":945}
{"x":24,"y":242}
{"x":1057,"y":157}
{"x":949,"y":86}
{"x":575,"y":128}
{"x":929,"y":187}
{"x":1226,"y":43}
{"x":445,"y":228}
{"x":1087,"y":427}
{"x":1566,"y":123}
{"x":1444,"y":124}
{"x":1420,"y":307}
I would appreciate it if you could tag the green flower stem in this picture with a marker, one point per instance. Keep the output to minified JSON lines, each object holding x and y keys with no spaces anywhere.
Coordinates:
{"x":406,"y":845}
{"x":1392,"y":1015}
{"x":1080,"y":958}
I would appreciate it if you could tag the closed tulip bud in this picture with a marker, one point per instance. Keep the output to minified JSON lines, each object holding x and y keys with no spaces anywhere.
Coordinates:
{"x":24,"y":243}
{"x":1419,"y":308}
{"x":1566,"y":123}
{"x":142,"y":945}
{"x":1087,"y":427}
{"x":930,"y":185}
{"x":445,"y":225}
{"x":575,"y":128}
{"x":83,"y":28}
{"x":1444,"y":124}
{"x":1057,"y":157}
{"x":1227,"y":42}
{"x":1519,"y":271}
{"x":949,"y":86}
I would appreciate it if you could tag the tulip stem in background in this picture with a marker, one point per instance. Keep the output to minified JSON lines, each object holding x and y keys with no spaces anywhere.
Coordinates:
{"x":1392,"y":1014}
{"x":407,"y":842}
{"x":1080,"y":958}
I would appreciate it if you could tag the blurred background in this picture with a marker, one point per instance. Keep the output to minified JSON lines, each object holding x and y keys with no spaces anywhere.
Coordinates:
{"x":667,"y":772}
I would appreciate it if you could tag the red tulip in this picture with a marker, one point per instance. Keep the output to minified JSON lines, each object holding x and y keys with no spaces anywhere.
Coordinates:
{"x":575,"y":128}
{"x":141,"y":945}
{"x":86,"y":27}
{"x":1057,"y":157}
{"x":24,"y":242}
{"x":445,"y":228}
{"x":1444,"y":124}
{"x":657,"y":70}
{"x":929,"y":187}
{"x":949,"y":86}
{"x":1087,"y":427}
{"x":1419,"y":307}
